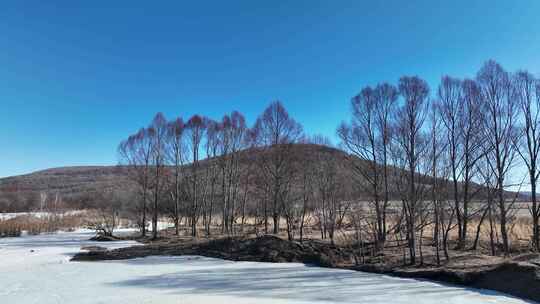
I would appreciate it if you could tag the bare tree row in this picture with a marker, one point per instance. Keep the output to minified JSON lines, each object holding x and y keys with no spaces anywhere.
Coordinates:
{"x":469,"y":143}
{"x":418,"y":165}
{"x":208,"y":173}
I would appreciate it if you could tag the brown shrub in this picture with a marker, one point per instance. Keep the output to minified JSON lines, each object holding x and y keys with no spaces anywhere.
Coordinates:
{"x":35,"y":225}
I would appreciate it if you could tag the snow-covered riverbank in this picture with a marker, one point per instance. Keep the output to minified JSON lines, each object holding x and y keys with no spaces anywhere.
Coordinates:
{"x":36,"y":269}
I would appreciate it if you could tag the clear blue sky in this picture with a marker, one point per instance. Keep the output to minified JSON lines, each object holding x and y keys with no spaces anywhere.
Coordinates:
{"x":77,"y":78}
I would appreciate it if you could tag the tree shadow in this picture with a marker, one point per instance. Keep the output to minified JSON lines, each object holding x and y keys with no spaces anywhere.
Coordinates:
{"x":206,"y":276}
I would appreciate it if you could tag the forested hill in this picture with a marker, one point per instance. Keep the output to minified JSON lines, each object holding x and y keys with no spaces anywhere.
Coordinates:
{"x":73,"y":185}
{"x":76,"y":186}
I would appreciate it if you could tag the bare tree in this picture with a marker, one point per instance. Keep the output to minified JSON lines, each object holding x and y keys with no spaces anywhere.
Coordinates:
{"x":436,"y":154}
{"x":277,"y":132}
{"x":470,"y":130}
{"x":195,"y":129}
{"x":212,"y":147}
{"x":488,"y":181}
{"x":307,"y":191}
{"x":308,"y":178}
{"x":247,"y":174}
{"x":499,"y":106}
{"x":386,"y":96}
{"x":136,"y":153}
{"x":330,"y":194}
{"x":157,"y":133}
{"x":361,"y":138}
{"x":528,"y":96}
{"x":108,"y":205}
{"x":176,"y":151}
{"x":410,"y":138}
{"x":450,"y":96}
{"x":235,"y":132}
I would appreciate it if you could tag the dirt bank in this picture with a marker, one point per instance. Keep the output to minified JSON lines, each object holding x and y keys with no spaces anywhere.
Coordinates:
{"x":262,"y":249}
{"x":520,"y":279}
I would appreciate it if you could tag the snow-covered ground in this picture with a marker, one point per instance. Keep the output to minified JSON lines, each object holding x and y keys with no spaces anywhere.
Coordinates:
{"x":161,"y":225}
{"x":44,"y":214}
{"x":36,"y":269}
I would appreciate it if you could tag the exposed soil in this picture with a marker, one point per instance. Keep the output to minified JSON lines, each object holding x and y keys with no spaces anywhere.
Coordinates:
{"x":520,"y":279}
{"x":262,"y":249}
{"x":104,"y":238}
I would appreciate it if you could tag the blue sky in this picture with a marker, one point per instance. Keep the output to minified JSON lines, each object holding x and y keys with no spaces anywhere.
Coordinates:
{"x":76,"y":78}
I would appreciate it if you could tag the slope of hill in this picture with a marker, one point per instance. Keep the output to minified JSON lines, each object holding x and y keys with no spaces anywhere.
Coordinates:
{"x":76,"y":184}
{"x":18,"y":193}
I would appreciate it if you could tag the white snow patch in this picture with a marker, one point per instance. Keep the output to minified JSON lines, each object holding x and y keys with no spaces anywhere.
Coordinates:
{"x":36,"y":269}
{"x":38,"y":214}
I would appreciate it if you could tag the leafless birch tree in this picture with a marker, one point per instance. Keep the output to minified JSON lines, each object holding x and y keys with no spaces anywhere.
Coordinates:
{"x":411,"y":140}
{"x":500,"y":108}
{"x":528,"y":96}
{"x":277,"y":132}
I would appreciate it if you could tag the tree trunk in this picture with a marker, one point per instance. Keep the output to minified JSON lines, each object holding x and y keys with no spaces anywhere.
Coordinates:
{"x":491,"y":230}
{"x":144,"y":214}
{"x":478,"y":227}
{"x":535,"y":214}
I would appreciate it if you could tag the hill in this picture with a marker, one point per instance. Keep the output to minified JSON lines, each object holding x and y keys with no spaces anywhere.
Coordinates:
{"x":75,"y":185}
{"x":71,"y":184}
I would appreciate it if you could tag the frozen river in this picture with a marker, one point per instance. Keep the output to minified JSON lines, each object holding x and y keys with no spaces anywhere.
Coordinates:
{"x":36,"y":269}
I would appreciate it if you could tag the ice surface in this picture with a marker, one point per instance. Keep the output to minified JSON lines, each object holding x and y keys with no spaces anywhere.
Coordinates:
{"x":36,"y":269}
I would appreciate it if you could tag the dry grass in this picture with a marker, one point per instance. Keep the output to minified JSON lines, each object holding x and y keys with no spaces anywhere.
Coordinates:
{"x":35,"y":225}
{"x":519,"y":231}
